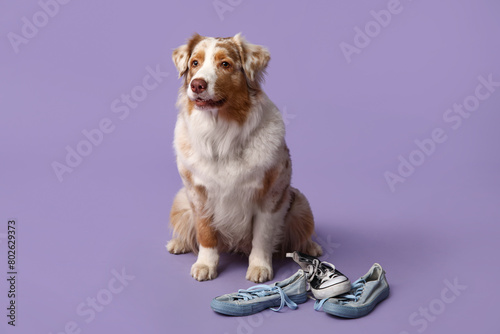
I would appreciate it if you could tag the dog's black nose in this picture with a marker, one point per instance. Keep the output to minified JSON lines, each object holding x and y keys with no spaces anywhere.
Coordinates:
{"x":198,"y":85}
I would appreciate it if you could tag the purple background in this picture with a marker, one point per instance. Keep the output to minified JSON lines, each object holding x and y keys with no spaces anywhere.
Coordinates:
{"x":347,"y":124}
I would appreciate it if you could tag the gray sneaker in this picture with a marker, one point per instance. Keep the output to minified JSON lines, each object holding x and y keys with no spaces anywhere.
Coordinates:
{"x":366,"y":293}
{"x":291,"y":291}
{"x":325,"y":280}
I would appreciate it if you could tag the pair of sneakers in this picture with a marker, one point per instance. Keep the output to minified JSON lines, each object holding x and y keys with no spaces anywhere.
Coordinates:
{"x":332,"y":289}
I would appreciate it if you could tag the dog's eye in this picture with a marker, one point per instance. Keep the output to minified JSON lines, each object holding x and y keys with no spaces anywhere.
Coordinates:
{"x":195,"y":63}
{"x":225,"y":64}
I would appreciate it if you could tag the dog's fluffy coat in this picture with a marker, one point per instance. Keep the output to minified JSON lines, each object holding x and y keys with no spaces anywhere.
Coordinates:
{"x":233,"y":161}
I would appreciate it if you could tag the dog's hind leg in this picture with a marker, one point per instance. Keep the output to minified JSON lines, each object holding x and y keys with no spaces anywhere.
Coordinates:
{"x":182,"y":222}
{"x":299,"y":226}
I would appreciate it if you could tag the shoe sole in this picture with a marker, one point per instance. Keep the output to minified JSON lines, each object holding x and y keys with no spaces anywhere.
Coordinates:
{"x":242,"y":310}
{"x":354,"y":312}
{"x":332,"y":291}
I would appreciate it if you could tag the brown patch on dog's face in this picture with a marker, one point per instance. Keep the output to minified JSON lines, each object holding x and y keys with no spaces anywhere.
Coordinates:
{"x":195,"y":62}
{"x":180,"y":56}
{"x":193,"y":41}
{"x":231,"y":85}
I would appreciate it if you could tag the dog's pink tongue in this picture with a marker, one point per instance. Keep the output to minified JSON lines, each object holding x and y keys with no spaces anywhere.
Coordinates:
{"x":201,"y":103}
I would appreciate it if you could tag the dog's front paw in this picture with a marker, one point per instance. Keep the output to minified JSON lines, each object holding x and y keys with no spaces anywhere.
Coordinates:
{"x":203,"y":272}
{"x":259,"y":274}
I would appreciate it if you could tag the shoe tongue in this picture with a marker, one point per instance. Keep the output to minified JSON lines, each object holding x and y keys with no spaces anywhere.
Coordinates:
{"x":327,"y":276}
{"x":327,"y":271}
{"x":326,"y":268}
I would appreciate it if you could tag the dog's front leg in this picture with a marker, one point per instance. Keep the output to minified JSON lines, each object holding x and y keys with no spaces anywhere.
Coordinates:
{"x":205,"y":267}
{"x":260,"y":267}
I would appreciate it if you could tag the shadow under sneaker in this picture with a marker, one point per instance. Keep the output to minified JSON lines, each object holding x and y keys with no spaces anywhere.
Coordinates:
{"x":291,"y":291}
{"x":325,"y":280}
{"x":365,"y":294}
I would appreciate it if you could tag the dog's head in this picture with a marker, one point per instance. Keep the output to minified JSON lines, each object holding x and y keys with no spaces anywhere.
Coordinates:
{"x":221,"y":73}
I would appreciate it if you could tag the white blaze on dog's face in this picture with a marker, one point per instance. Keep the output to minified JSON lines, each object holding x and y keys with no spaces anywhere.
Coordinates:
{"x":221,"y":74}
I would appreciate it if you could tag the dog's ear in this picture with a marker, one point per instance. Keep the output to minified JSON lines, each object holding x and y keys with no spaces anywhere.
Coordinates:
{"x":181,"y":55}
{"x":254,"y":59}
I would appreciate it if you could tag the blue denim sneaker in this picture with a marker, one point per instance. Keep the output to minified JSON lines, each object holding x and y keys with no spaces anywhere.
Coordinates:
{"x":365,"y":294}
{"x":291,"y":291}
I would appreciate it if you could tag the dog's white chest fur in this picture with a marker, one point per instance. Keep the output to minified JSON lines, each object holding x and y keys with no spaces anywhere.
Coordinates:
{"x":230,"y":160}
